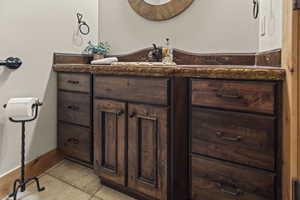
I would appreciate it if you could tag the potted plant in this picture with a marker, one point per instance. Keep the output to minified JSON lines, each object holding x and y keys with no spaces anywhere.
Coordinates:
{"x":98,"y":50}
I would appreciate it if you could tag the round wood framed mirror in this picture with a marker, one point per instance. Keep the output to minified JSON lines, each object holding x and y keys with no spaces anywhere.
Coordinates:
{"x":159,"y":10}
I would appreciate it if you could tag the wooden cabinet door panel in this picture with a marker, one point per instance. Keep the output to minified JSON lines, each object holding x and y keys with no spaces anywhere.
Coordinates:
{"x":205,"y":189}
{"x":136,"y":89}
{"x":148,"y":150}
{"x":250,"y":96}
{"x":109,"y":140}
{"x":74,"y":82}
{"x":239,"y":137}
{"x":74,"y":108}
{"x":217,"y":180}
{"x":75,"y":141}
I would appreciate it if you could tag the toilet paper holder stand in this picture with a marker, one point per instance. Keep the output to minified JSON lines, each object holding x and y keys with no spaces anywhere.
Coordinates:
{"x":36,"y":105}
{"x":20,"y":184}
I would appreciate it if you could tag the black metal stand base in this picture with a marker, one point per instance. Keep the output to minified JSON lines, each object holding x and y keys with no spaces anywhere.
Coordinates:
{"x":19,"y":185}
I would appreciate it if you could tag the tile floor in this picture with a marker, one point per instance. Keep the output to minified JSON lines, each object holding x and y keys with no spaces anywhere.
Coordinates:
{"x":70,"y":181}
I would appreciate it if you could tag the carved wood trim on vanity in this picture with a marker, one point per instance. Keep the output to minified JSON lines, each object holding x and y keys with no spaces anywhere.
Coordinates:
{"x":181,"y":58}
{"x":187,"y":58}
{"x":267,"y":58}
{"x":69,"y":58}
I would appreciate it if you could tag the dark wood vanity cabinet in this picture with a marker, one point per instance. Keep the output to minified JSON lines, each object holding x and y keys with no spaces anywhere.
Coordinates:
{"x":140,"y":143}
{"x":235,"y":140}
{"x":171,"y":138}
{"x":75,"y":116}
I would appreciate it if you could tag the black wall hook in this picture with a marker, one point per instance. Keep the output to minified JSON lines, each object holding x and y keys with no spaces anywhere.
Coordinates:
{"x":11,"y":63}
{"x":255,"y":8}
{"x":83,"y":26}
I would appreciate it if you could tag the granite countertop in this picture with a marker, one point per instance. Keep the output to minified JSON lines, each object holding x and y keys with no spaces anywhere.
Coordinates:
{"x":196,"y":71}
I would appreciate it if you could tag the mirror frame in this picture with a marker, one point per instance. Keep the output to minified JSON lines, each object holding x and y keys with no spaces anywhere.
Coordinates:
{"x":159,"y":12}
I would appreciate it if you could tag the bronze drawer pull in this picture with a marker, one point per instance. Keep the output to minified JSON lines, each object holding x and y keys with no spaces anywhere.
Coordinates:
{"x":73,"y":140}
{"x":133,"y":114}
{"x":234,"y":192}
{"x":73,"y":82}
{"x":146,"y":117}
{"x":221,"y":94}
{"x":73,"y":107}
{"x":231,"y":139}
{"x":119,"y":113}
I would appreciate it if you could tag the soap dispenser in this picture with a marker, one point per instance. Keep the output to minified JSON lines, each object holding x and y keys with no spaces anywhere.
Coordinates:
{"x":167,"y":52}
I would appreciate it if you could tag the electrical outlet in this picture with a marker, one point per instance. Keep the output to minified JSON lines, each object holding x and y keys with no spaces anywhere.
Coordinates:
{"x":263,"y":25}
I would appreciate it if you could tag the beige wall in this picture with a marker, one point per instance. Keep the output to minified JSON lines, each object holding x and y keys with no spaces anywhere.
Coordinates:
{"x":271,"y":13}
{"x":33,"y":30}
{"x":207,"y":26}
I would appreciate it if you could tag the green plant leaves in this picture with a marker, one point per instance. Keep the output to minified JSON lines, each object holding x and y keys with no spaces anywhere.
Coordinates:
{"x":102,"y":48}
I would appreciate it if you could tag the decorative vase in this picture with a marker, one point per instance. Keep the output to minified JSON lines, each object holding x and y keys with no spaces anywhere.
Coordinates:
{"x":97,"y":56}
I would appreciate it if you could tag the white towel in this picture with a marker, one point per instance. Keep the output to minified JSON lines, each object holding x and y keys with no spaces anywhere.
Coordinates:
{"x":104,"y":61}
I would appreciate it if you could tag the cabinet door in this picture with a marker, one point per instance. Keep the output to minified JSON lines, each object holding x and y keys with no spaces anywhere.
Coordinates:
{"x":109,"y":140}
{"x":148,"y":150}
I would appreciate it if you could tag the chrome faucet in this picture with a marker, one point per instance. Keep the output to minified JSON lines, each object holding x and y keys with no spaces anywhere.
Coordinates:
{"x":155,"y":54}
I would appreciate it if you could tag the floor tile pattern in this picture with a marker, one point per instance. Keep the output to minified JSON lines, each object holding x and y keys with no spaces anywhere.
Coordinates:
{"x":70,"y":181}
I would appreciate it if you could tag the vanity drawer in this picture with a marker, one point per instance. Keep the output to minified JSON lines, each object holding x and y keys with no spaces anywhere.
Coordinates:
{"x":239,"y":137}
{"x":74,"y":108}
{"x":251,"y":96}
{"x":215,"y":180}
{"x":74,"y":82}
{"x":136,"y":89}
{"x":75,"y":141}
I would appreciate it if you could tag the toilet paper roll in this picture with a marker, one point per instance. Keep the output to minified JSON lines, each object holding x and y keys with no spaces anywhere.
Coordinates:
{"x":21,"y":108}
